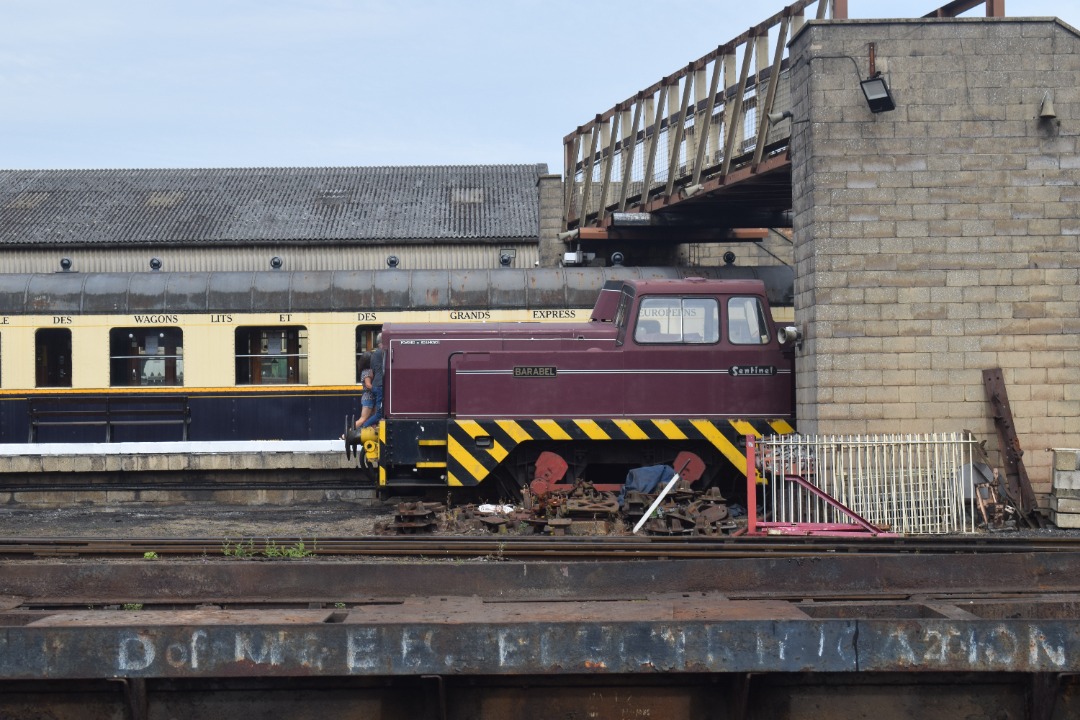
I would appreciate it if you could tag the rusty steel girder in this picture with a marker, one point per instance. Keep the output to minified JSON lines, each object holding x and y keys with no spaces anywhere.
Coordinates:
{"x":468,"y":636}
{"x":1014,"y":613}
{"x":77,"y":584}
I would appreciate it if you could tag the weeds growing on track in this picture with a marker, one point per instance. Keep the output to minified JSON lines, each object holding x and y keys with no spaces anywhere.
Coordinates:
{"x":246,"y":549}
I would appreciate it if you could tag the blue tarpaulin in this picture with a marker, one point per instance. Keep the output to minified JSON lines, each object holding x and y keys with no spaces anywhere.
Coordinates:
{"x":646,"y":479}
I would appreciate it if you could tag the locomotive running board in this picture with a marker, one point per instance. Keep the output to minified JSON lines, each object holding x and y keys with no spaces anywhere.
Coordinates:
{"x":476,"y":447}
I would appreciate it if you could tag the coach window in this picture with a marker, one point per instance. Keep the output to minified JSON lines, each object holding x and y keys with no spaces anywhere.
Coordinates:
{"x":271,"y":355}
{"x":689,"y":321}
{"x":146,"y":356}
{"x":52,"y":357}
{"x":365,"y":342}
{"x":746,"y":321}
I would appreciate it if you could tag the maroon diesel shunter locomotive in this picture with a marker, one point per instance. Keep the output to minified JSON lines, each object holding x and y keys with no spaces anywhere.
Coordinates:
{"x":664,"y":366}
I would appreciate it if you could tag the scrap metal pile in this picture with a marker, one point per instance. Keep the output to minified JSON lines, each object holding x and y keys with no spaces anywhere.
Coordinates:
{"x":581,"y":510}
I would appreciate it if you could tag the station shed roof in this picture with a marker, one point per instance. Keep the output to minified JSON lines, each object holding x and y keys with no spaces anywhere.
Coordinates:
{"x":239,"y":206}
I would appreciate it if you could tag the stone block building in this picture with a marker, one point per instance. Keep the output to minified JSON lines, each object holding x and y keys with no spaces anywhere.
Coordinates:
{"x":943,"y":237}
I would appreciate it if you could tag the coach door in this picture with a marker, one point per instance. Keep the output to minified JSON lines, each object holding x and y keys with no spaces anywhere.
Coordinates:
{"x":52,"y":360}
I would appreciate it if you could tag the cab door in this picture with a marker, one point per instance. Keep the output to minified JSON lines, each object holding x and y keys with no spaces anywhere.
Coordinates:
{"x":673,"y":355}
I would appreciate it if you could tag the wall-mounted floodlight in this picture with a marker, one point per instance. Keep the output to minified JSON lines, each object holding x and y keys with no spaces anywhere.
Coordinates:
{"x":775,"y":118}
{"x":877,"y":94}
{"x":691,"y":190}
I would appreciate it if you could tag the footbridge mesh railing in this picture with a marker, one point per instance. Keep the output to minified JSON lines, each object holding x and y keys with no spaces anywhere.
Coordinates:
{"x":911,"y":484}
{"x":702,"y":121}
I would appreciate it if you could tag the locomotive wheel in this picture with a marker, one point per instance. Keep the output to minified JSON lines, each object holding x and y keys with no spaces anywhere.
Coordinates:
{"x":608,"y":463}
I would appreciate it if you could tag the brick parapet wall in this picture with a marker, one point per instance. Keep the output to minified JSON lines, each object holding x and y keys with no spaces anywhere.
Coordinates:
{"x":943,"y":237}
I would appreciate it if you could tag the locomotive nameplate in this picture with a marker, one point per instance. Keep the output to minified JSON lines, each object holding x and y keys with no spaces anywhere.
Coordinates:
{"x":745,"y":370}
{"x":534,"y":371}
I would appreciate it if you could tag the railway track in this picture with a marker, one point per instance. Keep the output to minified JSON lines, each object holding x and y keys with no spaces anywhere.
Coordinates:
{"x":525,"y":548}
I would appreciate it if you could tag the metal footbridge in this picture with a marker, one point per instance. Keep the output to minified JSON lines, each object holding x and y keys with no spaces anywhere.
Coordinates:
{"x":703,"y":155}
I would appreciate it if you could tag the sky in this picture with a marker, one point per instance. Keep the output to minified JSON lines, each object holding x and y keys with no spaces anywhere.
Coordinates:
{"x":319,"y":83}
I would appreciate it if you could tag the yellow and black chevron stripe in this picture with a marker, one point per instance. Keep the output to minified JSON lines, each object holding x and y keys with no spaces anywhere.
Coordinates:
{"x":476,"y":447}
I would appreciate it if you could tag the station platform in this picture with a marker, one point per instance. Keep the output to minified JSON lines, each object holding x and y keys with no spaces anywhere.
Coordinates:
{"x":203,"y":455}
{"x":231,"y":472}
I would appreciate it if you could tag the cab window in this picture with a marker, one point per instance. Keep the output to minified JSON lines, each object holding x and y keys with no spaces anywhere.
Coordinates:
{"x":146,"y":356}
{"x":684,"y":320}
{"x":747,"y":324}
{"x":271,"y":355}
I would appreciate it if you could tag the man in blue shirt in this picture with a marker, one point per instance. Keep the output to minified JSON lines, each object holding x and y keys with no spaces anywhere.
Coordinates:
{"x":377,"y":357}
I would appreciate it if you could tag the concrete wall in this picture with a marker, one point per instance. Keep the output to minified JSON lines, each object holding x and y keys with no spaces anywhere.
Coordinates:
{"x":943,"y":237}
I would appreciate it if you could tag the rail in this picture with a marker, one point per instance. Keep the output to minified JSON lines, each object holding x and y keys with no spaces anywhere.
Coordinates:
{"x":109,"y":412}
{"x":504,"y":547}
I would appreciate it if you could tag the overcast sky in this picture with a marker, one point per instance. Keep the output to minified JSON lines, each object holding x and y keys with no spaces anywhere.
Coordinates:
{"x":274,"y":83}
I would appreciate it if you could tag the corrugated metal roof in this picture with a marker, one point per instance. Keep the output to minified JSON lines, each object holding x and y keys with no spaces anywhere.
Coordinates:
{"x":97,"y":208}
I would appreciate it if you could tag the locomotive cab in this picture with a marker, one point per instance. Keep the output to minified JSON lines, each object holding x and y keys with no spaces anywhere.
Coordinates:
{"x":664,"y":366}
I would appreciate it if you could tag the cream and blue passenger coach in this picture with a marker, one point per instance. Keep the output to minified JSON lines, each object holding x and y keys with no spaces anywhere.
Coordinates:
{"x":159,"y":356}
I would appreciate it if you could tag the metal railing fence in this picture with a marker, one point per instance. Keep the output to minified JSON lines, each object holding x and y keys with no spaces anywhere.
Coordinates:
{"x":912,"y":484}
